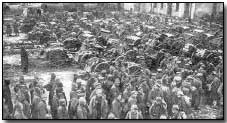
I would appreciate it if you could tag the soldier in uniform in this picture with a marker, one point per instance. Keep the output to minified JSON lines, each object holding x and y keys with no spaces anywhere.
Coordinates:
{"x":196,"y":91}
{"x":18,"y":109}
{"x":59,"y":90}
{"x":51,"y":88}
{"x":158,"y":108}
{"x":62,"y":112}
{"x":26,"y":107}
{"x":82,"y":109}
{"x":116,"y":106}
{"x":32,"y":87}
{"x":35,"y":102}
{"x":141,"y":101}
{"x":24,"y":60}
{"x":132,"y":100}
{"x":43,"y":111}
{"x":134,"y":113}
{"x":22,"y":87}
{"x":8,"y":30}
{"x":114,"y":90}
{"x":98,"y":106}
{"x":176,"y":114}
{"x":184,"y":102}
{"x":73,"y":103}
{"x":6,"y":114}
{"x":214,"y":90}
{"x":15,"y":28}
{"x":154,"y":92}
{"x":7,"y":96}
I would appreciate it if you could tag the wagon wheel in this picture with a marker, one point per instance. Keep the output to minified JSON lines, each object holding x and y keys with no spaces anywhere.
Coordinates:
{"x":102,"y":66}
{"x":134,"y":70}
{"x":130,"y":55}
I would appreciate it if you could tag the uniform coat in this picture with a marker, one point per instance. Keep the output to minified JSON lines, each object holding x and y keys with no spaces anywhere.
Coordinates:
{"x":116,"y":108}
{"x":35,"y":108}
{"x":95,"y":108}
{"x":82,"y":112}
{"x":42,"y":112}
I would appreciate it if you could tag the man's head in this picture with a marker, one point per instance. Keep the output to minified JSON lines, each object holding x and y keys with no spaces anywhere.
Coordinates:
{"x":79,"y":82}
{"x":75,"y":76}
{"x":21,"y":79}
{"x":7,"y":82}
{"x":175,"y":109}
{"x":99,"y":92}
{"x":177,"y":79}
{"x":53,"y":76}
{"x":117,"y":81}
{"x":158,"y":100}
{"x":190,"y":79}
{"x":180,"y":94}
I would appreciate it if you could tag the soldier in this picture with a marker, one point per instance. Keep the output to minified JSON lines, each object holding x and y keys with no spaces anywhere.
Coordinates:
{"x":114,"y":90}
{"x":59,"y":87}
{"x":214,"y":90}
{"x":158,"y":108}
{"x":62,"y":112}
{"x":73,"y":103}
{"x":167,"y":94}
{"x":32,"y":87}
{"x":126,"y":94}
{"x":116,"y":106}
{"x":79,"y":85}
{"x":48,"y":115}
{"x":220,"y":93}
{"x":15,"y":28}
{"x":89,"y":87}
{"x":154,"y":92}
{"x":145,"y":87}
{"x":39,"y":12}
{"x":159,"y":74}
{"x":43,"y":111}
{"x":7,"y":96}
{"x":18,"y":109}
{"x":24,"y":60}
{"x":184,"y":102}
{"x":98,"y":106}
{"x":23,"y":88}
{"x":26,"y":107}
{"x":134,"y":113}
{"x":132,"y":100}
{"x":176,"y":114}
{"x":8,"y":30}
{"x":82,"y":109}
{"x":6,"y":114}
{"x":51,"y":88}
{"x":35,"y":102}
{"x":196,"y":91}
{"x":141,"y":101}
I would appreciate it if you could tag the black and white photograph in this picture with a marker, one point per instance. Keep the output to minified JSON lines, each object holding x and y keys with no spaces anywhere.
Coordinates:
{"x":112,"y":60}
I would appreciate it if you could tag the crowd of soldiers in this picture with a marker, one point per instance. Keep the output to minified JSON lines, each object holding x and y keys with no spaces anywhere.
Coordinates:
{"x":170,"y":91}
